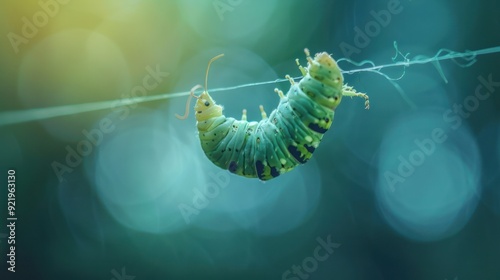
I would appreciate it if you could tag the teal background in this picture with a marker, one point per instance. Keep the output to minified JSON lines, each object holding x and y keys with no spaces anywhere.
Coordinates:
{"x":120,"y":207}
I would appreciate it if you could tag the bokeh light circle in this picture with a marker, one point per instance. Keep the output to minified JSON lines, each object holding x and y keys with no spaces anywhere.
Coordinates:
{"x":265,"y":208}
{"x":229,"y":21}
{"x":142,"y":171}
{"x":85,"y":66}
{"x":428,"y":180}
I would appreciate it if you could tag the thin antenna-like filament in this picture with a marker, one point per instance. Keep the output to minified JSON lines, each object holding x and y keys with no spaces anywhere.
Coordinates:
{"x":191,"y":95}
{"x":208,"y":68}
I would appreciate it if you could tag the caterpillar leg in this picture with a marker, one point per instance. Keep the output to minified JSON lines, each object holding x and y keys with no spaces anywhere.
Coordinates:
{"x":308,"y":56}
{"x":349,"y":91}
{"x":301,"y":68}
{"x":292,"y":82}
{"x":244,"y":116}
{"x":262,"y":112}
{"x":279,"y":92}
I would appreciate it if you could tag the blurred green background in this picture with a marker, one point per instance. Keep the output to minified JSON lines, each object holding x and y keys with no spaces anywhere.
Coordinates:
{"x":406,"y":190}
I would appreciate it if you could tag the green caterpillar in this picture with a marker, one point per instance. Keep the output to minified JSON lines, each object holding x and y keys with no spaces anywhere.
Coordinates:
{"x":285,"y":139}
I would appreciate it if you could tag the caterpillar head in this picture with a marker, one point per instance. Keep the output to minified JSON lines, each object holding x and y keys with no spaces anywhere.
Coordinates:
{"x":206,"y":108}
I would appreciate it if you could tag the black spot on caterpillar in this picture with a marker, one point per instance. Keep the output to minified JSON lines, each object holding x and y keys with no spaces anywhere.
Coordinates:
{"x":289,"y":137}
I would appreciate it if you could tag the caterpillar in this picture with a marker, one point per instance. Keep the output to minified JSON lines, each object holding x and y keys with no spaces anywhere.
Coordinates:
{"x":288,"y":137}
